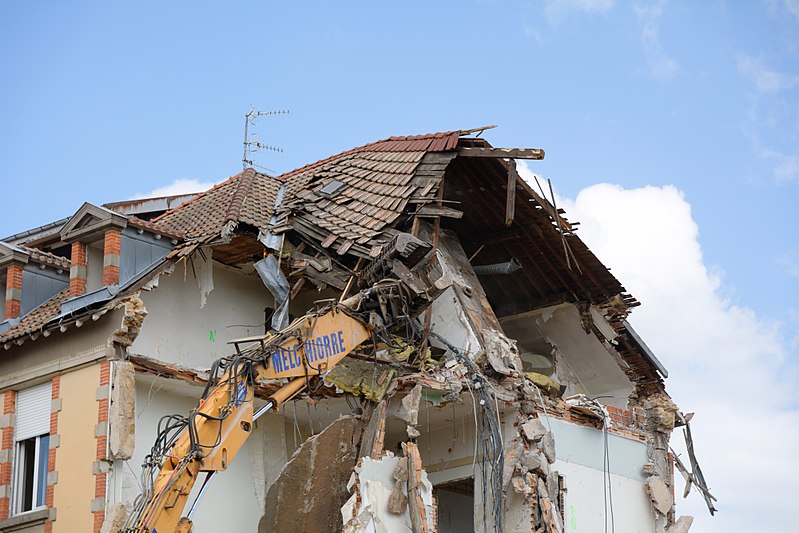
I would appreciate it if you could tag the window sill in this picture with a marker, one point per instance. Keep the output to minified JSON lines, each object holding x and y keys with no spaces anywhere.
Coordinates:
{"x":26,"y":519}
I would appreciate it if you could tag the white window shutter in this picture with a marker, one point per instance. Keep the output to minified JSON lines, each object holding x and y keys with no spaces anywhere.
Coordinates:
{"x":33,"y":412}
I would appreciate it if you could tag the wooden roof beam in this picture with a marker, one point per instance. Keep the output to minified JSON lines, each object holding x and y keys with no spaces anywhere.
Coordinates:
{"x":511,"y":153}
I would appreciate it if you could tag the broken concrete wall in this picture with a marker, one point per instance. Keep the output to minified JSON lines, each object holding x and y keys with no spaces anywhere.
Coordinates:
{"x":122,"y":411}
{"x":462,"y":313}
{"x":181,"y":332}
{"x":376,"y":484}
{"x":584,"y":363}
{"x":312,"y":487}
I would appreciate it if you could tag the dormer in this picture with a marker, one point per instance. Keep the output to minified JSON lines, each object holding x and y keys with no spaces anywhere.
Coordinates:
{"x":95,"y":234}
{"x":29,"y":277}
{"x":12,"y":261}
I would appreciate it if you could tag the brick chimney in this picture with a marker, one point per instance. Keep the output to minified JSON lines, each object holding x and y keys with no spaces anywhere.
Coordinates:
{"x":13,"y":290}
{"x":77,"y":270}
{"x":111,"y":247}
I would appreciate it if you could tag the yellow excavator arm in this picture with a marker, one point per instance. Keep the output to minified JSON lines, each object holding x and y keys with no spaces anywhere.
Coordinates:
{"x":398,"y":285}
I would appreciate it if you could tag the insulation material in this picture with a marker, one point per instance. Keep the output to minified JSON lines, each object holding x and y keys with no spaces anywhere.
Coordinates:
{"x":122,"y":411}
{"x":205,"y":273}
{"x":361,"y":378}
{"x":372,"y":485}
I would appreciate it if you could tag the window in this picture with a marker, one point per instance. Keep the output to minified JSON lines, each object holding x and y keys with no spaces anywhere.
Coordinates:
{"x":31,"y":447}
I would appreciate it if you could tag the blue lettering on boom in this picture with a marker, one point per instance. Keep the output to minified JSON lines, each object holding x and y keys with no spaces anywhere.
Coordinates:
{"x":317,"y":349}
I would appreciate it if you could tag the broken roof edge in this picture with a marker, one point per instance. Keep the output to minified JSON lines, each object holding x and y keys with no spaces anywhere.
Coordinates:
{"x":645,"y":349}
{"x":385,"y":145}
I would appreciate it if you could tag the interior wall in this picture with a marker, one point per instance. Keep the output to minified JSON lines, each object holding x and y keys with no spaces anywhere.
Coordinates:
{"x":180,"y":331}
{"x":583,"y":363}
{"x":73,"y":494}
{"x":580,"y":459}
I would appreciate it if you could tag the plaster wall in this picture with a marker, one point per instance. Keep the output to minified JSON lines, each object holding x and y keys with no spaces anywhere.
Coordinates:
{"x":580,"y":459}
{"x":58,"y":352}
{"x":235,"y":499}
{"x":449,"y":321}
{"x":180,"y":331}
{"x":584,"y":364}
{"x":73,"y":494}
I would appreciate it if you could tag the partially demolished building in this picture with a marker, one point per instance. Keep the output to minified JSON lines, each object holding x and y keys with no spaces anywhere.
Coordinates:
{"x":521,"y":400}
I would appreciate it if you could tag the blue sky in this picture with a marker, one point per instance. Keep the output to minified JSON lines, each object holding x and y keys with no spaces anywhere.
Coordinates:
{"x":103,"y":101}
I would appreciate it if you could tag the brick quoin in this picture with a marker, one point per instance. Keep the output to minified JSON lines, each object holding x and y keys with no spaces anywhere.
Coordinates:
{"x":101,"y":479}
{"x":50,"y":493}
{"x":111,"y":247}
{"x":77,"y":271}
{"x":13,"y":285}
{"x":6,"y":443}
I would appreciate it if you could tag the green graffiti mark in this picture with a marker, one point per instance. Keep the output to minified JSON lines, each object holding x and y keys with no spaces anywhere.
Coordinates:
{"x":573,"y":519}
{"x":212,"y":335}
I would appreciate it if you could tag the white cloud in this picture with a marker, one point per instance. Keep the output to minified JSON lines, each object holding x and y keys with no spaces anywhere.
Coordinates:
{"x":557,"y":10}
{"x":786,"y":167}
{"x":766,"y":80}
{"x":179,"y":186}
{"x":789,"y":264}
{"x":661,"y":65}
{"x":727,"y":364}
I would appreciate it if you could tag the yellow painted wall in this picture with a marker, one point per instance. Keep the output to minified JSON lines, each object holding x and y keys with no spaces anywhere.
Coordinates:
{"x":74,"y":491}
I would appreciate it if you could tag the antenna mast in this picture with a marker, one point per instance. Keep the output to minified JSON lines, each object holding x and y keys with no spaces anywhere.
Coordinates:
{"x":254,"y":146}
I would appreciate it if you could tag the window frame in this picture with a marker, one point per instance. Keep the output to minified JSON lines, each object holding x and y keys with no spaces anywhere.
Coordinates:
{"x":19,"y":485}
{"x":32,"y":419}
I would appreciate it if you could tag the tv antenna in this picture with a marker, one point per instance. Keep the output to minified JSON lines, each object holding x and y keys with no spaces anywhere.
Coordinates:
{"x":251,"y":146}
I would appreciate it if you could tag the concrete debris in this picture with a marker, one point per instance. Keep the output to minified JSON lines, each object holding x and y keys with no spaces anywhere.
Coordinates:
{"x":362,"y":378}
{"x":533,"y":430}
{"x":115,"y":516}
{"x":553,"y":486}
{"x":535,"y":461}
{"x":372,"y":485}
{"x":501,"y":352}
{"x":122,"y":411}
{"x":311,"y":488}
{"x":660,"y":412}
{"x":581,"y":403}
{"x":545,"y":383}
{"x":398,"y":501}
{"x":682,"y":525}
{"x":552,"y":521}
{"x":547,"y":445}
{"x":660,"y":494}
{"x":135,"y":312}
{"x":410,"y":406}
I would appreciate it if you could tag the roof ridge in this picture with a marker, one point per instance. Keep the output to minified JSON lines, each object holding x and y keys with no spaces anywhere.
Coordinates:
{"x":157,"y":219}
{"x":140,"y":223}
{"x":439,"y":135}
{"x":43,"y":255}
{"x":240,"y":194}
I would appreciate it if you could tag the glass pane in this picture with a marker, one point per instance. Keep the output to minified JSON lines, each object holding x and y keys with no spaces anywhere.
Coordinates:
{"x":44,"y":452}
{"x":27,"y":469}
